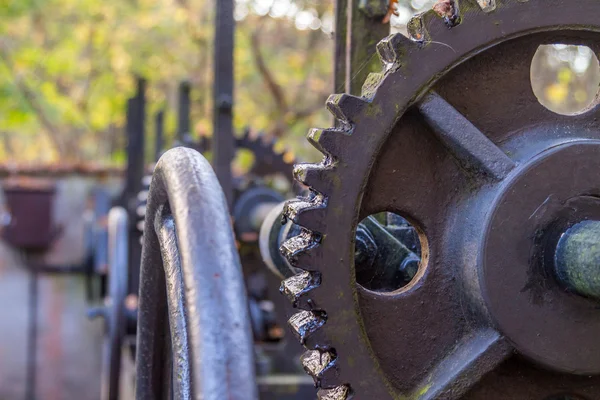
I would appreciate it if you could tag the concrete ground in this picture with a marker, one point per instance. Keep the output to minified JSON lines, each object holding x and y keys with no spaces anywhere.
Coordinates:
{"x":68,"y":344}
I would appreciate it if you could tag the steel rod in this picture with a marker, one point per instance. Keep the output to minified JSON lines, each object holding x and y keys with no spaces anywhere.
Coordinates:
{"x":223,"y":140}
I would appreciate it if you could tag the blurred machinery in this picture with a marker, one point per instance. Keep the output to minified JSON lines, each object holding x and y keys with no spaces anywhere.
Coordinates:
{"x":255,"y":190}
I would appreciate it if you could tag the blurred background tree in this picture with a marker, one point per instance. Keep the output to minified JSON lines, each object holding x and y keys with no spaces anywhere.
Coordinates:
{"x":68,"y":66}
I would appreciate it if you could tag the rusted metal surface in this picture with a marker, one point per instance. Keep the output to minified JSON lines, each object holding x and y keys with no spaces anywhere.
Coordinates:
{"x":485,"y":316}
{"x":193,"y":307}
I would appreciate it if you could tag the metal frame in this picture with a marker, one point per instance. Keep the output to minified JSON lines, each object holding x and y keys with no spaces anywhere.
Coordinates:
{"x":191,"y":290}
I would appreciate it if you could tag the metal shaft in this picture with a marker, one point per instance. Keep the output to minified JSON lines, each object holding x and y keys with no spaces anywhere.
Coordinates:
{"x":577,"y":259}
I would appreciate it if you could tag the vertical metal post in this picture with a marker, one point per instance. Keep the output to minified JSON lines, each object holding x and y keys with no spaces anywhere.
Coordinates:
{"x":136,"y":114}
{"x":159,"y":133}
{"x":183,"y":112}
{"x":131,"y":112}
{"x":339,"y":57}
{"x":135,"y":172}
{"x":223,"y":140}
{"x":359,"y":28}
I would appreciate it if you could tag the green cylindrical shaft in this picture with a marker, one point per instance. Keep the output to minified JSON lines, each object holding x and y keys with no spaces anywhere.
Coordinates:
{"x":577,"y":259}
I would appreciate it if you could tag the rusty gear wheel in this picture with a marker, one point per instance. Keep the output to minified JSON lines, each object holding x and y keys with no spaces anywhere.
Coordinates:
{"x":451,"y":136}
{"x":267,"y":161}
{"x":267,"y":164}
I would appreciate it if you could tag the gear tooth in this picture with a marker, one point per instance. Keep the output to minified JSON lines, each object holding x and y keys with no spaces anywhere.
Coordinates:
{"x":341,"y":392}
{"x":417,"y":27}
{"x":141,"y":210}
{"x":485,"y":5}
{"x":392,"y":48}
{"x":443,"y":15}
{"x":318,"y":364}
{"x":143,"y":195}
{"x":301,"y":250}
{"x":327,"y":141}
{"x":346,"y":107}
{"x":308,"y":213}
{"x":315,"y":176}
{"x":312,"y":218}
{"x":298,"y":285}
{"x":306,"y":259}
{"x":371,"y":84}
{"x":295,"y":246}
{"x":448,"y":10}
{"x":305,"y":323}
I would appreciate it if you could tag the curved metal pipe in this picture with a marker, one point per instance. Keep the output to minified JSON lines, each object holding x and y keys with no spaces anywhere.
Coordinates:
{"x":192,"y":297}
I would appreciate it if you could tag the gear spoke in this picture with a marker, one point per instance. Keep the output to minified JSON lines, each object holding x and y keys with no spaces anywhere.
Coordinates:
{"x":473,"y":358}
{"x":471,"y":146}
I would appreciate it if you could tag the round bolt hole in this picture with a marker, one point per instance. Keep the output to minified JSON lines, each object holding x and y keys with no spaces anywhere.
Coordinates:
{"x":565,"y":78}
{"x":387,"y":252}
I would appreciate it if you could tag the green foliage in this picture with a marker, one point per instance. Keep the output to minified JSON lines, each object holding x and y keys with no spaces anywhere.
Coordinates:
{"x":67,"y":68}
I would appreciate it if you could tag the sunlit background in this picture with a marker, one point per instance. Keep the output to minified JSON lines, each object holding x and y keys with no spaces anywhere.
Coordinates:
{"x":68,"y":66}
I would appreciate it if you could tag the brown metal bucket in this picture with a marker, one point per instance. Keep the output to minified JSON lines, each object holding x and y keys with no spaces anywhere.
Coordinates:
{"x":29,"y":221}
